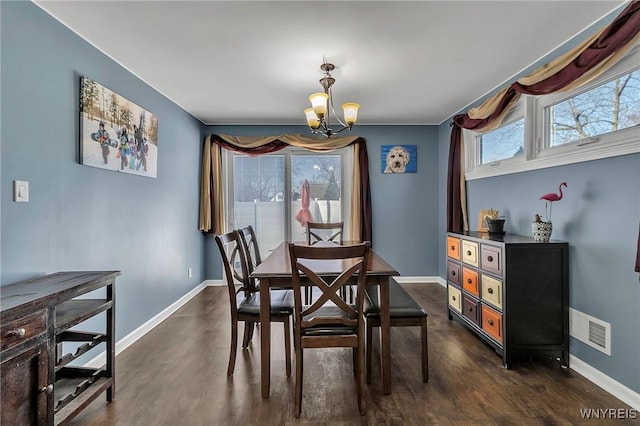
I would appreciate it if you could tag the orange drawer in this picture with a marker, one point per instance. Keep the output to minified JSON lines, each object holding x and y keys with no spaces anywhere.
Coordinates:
{"x":470,"y":253}
{"x":453,"y":272}
{"x":455,"y":299}
{"x":22,"y":329}
{"x":492,"y":323}
{"x":491,"y":258}
{"x":453,"y":247}
{"x":470,"y":281}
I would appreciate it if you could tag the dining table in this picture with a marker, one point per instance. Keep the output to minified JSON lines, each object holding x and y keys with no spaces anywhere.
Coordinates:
{"x":275,"y":272}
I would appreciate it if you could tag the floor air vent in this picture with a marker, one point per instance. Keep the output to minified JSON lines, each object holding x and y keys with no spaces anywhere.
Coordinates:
{"x":592,"y":331}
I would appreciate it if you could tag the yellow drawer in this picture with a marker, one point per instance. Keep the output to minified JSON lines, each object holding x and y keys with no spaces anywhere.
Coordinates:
{"x":455,"y":299}
{"x":492,"y":290}
{"x":470,"y":253}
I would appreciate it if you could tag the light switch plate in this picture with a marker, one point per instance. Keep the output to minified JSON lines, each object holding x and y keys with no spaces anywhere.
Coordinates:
{"x":21,"y":191}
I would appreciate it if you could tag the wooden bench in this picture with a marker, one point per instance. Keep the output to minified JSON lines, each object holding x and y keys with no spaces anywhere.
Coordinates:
{"x":404,"y":312}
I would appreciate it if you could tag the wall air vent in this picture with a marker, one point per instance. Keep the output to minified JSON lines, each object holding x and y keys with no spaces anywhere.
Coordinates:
{"x":589,"y":330}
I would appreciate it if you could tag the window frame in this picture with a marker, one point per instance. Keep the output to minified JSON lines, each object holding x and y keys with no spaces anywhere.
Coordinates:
{"x":471,"y":140}
{"x":538,"y":153}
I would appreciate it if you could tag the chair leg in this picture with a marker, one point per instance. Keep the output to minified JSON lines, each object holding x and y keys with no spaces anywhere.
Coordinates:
{"x":297,"y":408}
{"x":234,"y":344}
{"x":362,"y":401}
{"x":287,"y":346}
{"x":248,"y":332}
{"x":369,"y":349}
{"x":354,"y":359}
{"x":425,"y":350}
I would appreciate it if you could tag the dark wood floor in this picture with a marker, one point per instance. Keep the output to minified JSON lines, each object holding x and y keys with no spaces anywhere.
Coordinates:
{"x":176,"y":375}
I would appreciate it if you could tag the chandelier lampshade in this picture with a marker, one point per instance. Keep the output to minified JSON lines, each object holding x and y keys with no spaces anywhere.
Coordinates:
{"x":318,"y":116}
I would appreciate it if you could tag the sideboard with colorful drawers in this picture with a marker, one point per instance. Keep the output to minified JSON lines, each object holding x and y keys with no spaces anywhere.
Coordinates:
{"x":511,"y":291}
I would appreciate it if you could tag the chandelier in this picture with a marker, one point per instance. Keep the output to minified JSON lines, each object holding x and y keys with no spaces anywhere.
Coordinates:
{"x":318,"y":116}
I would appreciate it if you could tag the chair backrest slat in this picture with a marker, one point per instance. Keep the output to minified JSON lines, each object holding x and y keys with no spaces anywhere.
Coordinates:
{"x":251,"y":250}
{"x":315,"y":237}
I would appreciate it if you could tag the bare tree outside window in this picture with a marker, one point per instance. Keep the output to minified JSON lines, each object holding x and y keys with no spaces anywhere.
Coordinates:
{"x":612,"y":106}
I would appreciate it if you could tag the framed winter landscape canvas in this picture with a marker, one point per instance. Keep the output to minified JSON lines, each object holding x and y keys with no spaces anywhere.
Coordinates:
{"x":115,"y":133}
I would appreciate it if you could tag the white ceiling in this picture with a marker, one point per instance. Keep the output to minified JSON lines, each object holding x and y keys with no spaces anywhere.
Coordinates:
{"x":256,"y":62}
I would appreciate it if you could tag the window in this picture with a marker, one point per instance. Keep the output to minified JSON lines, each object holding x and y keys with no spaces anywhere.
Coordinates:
{"x":502,"y":148}
{"x":598,"y":120}
{"x":502,"y":143}
{"x":606,"y":108}
{"x":266,"y":192}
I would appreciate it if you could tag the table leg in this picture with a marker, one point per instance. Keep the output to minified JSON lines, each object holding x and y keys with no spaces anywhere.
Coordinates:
{"x":385,"y":335}
{"x":265,"y":336}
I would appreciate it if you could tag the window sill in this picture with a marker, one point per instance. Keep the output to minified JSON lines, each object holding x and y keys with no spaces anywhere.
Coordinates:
{"x":596,"y":151}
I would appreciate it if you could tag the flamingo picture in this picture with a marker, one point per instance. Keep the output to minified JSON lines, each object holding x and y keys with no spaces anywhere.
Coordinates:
{"x":550,"y":198}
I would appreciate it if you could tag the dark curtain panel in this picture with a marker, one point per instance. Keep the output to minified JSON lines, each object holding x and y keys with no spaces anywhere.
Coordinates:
{"x":454,"y":203}
{"x":366,"y":224}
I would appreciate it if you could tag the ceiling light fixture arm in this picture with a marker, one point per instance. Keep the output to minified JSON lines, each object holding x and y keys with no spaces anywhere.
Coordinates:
{"x":319,"y":117}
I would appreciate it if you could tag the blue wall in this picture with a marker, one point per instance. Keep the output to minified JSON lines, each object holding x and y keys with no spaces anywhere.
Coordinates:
{"x":405,"y":206}
{"x":598,"y":216}
{"x":84,"y":218}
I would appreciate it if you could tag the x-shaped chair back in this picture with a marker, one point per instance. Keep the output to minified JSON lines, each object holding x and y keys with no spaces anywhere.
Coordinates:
{"x":314,"y":237}
{"x":316,"y":263}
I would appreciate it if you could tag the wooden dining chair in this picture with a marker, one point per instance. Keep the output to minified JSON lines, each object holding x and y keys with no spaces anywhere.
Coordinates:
{"x":317,"y":232}
{"x":329,"y":321}
{"x":245,"y":300}
{"x":404,"y":312}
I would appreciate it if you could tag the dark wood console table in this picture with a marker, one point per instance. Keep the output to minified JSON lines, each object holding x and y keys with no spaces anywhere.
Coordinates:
{"x":39,"y":384}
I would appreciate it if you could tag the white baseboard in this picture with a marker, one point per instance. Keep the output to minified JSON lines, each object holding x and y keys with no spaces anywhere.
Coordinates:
{"x":421,"y":280}
{"x":128,"y":340}
{"x":615,"y":388}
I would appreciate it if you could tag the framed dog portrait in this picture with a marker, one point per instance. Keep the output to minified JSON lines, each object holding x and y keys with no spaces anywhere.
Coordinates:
{"x":115,"y":133}
{"x":399,"y":159}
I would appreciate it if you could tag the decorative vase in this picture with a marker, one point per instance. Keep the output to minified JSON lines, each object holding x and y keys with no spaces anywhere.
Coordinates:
{"x":496,"y":226}
{"x":541,"y":231}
